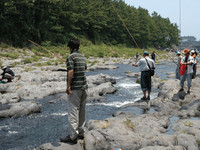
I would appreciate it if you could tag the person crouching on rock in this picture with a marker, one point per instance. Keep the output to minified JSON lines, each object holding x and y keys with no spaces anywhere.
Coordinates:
{"x":7,"y":74}
{"x":186,"y":70}
{"x":76,"y":91}
{"x":145,"y":79}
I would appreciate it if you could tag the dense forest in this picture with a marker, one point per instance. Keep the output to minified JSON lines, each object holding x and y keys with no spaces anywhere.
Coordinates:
{"x":57,"y":21}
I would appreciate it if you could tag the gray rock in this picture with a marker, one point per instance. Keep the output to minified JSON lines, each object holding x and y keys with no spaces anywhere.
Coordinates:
{"x":101,"y":67}
{"x":62,"y":146}
{"x":9,"y":98}
{"x":102,"y":89}
{"x":163,"y":148}
{"x":20,"y":109}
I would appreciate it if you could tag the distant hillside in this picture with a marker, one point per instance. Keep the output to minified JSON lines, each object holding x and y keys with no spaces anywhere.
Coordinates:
{"x":57,"y":21}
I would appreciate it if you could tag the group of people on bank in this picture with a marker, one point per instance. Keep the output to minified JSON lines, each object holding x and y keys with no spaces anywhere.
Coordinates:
{"x":186,"y":68}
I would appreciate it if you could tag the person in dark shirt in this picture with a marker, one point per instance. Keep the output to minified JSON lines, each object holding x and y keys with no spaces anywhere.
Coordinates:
{"x":153,"y":56}
{"x":7,"y":74}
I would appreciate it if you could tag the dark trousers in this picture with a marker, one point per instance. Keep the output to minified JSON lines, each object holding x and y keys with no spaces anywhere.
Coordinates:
{"x":145,"y":81}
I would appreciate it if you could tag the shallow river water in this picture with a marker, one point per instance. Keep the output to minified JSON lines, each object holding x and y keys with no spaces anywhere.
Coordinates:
{"x":31,"y":131}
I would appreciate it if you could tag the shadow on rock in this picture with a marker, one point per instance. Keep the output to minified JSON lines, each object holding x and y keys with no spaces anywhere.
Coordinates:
{"x":180,"y":95}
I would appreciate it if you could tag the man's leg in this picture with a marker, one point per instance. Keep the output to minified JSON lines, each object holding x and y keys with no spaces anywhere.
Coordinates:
{"x":9,"y":77}
{"x":143,"y":85}
{"x":189,"y":82}
{"x":148,"y":84}
{"x":144,"y":93}
{"x":73,"y":113}
{"x":182,"y":79}
{"x":149,"y":93}
{"x":82,"y":114}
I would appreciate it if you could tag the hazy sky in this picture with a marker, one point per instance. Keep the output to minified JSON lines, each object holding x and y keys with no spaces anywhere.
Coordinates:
{"x":190,"y":13}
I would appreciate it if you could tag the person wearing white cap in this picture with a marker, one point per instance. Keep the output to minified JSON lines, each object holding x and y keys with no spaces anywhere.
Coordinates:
{"x":146,"y":64}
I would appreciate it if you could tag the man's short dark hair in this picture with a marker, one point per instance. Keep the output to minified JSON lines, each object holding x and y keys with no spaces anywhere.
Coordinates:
{"x":74,"y":44}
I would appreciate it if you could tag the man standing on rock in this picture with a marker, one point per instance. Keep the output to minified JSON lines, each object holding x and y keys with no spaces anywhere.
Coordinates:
{"x":145,"y":79}
{"x":186,"y":70}
{"x":76,"y":90}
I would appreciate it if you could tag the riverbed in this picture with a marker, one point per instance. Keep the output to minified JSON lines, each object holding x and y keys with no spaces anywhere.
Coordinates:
{"x":48,"y":126}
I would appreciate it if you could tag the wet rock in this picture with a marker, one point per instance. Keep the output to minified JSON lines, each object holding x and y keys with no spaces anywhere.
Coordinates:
{"x":20,"y":109}
{"x":101,"y":67}
{"x":99,"y":79}
{"x":95,"y":93}
{"x":9,"y":98}
{"x":132,"y":74}
{"x":4,"y":107}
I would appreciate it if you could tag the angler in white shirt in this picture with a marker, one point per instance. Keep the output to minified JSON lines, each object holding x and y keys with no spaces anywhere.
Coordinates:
{"x":146,"y":64}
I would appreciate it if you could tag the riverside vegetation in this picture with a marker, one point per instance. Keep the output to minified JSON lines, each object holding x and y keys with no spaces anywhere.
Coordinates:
{"x":35,"y":54}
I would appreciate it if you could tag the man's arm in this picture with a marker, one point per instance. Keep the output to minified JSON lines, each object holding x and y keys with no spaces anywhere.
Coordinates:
{"x":70,"y":75}
{"x":135,"y":65}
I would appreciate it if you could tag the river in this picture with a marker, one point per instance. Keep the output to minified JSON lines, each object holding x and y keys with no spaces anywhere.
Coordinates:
{"x":51,"y":124}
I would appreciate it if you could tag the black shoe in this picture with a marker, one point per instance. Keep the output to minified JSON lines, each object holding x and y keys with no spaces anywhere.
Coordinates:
{"x":148,"y":98}
{"x":67,"y":139}
{"x":181,"y":90}
{"x":188,"y":92}
{"x":81,"y":137}
{"x":143,"y":98}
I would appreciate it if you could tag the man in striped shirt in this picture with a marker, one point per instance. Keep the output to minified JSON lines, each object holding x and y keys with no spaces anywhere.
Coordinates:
{"x":76,"y":90}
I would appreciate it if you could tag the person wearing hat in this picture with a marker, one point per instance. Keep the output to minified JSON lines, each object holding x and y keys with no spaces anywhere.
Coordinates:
{"x":145,"y":79}
{"x":193,"y":54}
{"x":76,"y":91}
{"x":7,"y":74}
{"x":188,"y":61}
{"x":178,"y":65}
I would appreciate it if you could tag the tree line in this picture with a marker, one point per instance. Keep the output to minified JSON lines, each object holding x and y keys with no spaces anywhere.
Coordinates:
{"x":57,"y":21}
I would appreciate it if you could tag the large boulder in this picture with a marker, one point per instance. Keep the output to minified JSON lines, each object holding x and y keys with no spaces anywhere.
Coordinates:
{"x":19,"y":109}
{"x":127,"y":132}
{"x":95,"y":93}
{"x":9,"y":98}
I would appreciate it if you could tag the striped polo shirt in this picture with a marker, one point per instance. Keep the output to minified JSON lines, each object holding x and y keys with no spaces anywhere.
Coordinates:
{"x":76,"y":62}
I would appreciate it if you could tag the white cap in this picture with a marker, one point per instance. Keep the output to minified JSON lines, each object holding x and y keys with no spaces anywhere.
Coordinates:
{"x":192,"y":51}
{"x":178,"y":53}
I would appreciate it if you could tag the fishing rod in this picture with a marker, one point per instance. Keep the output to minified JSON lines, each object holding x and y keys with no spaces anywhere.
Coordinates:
{"x":172,"y":59}
{"x":124,"y":25}
{"x":56,"y":55}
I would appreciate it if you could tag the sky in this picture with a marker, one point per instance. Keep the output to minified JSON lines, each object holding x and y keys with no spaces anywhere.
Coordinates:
{"x":189,"y":22}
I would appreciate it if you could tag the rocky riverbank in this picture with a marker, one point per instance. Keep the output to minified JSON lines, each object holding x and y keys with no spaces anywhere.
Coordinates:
{"x":169,"y":122}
